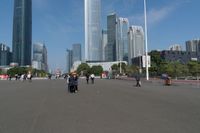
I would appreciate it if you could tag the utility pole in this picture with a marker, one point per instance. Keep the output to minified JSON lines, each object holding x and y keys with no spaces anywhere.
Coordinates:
{"x":145,"y":21}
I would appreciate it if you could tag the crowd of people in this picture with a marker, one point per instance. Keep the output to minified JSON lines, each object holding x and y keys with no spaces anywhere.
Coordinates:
{"x":21,"y":77}
{"x":72,"y":81}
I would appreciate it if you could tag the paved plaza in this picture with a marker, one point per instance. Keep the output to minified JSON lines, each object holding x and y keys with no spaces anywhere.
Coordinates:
{"x":108,"y":106}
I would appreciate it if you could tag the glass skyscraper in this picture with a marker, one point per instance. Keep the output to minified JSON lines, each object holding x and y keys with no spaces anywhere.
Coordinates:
{"x":93,"y":30}
{"x":112,"y":32}
{"x":136,"y":42}
{"x":122,"y":39}
{"x":69,"y":60}
{"x":76,"y":54}
{"x":104,"y":44}
{"x":22,"y":32}
{"x":5,"y":55}
{"x":40,"y":57}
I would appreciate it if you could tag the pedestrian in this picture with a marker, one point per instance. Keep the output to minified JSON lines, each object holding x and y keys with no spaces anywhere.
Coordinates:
{"x":75,"y":82}
{"x":9,"y":77}
{"x":87,"y":78}
{"x":49,"y":76}
{"x":16,"y":76}
{"x":138,"y":82}
{"x":71,"y":84}
{"x":92,"y":78}
{"x":29,"y":76}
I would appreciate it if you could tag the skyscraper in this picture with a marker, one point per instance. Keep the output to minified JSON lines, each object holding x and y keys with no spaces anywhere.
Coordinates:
{"x":193,"y":45}
{"x":22,"y":32}
{"x":76,"y":54}
{"x":136,"y":42}
{"x":40,"y":57}
{"x":92,"y":30}
{"x":5,"y":55}
{"x":112,"y":30}
{"x":122,"y":39}
{"x":69,"y":60}
{"x":104,"y":44}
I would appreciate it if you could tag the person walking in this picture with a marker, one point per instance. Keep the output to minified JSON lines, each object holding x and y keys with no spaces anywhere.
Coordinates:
{"x":92,"y":78}
{"x":29,"y":76}
{"x":138,"y":82}
{"x":75,"y":82}
{"x":87,"y":78}
{"x":70,"y":82}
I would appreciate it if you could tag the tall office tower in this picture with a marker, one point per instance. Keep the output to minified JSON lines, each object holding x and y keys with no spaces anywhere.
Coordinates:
{"x":193,"y":45}
{"x":92,"y":30}
{"x":111,"y":31}
{"x":122,"y":39}
{"x":76,"y":54}
{"x":69,"y":60}
{"x":40,"y":57}
{"x":104,"y":44}
{"x":5,"y":55}
{"x":136,"y":42}
{"x":175,"y":47}
{"x":22,"y":32}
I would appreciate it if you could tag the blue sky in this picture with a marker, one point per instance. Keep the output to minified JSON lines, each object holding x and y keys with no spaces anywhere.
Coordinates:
{"x":60,"y":23}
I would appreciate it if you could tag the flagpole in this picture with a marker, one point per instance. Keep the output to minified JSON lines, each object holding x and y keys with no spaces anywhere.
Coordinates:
{"x":145,"y":21}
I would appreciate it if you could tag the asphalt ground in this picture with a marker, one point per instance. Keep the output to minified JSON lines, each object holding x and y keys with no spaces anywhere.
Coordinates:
{"x":108,"y":106}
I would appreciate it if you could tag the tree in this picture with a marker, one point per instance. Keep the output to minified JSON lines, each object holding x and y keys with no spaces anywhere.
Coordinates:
{"x":123,"y":67}
{"x":194,"y":68}
{"x":17,"y":70}
{"x":115,"y":67}
{"x":131,"y":70}
{"x":156,"y":63}
{"x":96,"y":70}
{"x":84,"y":67}
{"x":1,"y":72}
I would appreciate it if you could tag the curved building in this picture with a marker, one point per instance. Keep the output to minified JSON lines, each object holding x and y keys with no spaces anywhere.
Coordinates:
{"x":93,"y":48}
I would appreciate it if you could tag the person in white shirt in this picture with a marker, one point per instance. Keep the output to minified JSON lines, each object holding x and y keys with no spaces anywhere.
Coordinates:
{"x":92,"y":78}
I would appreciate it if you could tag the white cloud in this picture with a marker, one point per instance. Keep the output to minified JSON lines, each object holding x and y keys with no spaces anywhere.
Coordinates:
{"x":156,"y":15}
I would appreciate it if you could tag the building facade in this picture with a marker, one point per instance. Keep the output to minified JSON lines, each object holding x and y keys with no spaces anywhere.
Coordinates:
{"x":180,"y":56}
{"x":175,"y":47}
{"x":111,"y":34}
{"x":135,"y":42}
{"x":76,"y":54}
{"x":193,"y":45}
{"x":22,"y":32}
{"x":40,"y":57}
{"x":5,"y":55}
{"x":104,"y":44}
{"x":122,"y":39}
{"x":69,"y":60}
{"x":92,"y":30}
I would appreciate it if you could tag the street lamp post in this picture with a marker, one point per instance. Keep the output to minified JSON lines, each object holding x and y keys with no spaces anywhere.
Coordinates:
{"x":145,"y":21}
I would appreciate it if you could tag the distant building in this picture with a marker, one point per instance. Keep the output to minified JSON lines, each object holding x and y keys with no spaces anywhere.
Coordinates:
{"x":135,"y":42}
{"x":93,"y":30}
{"x":22,"y":32}
{"x":76,"y":54}
{"x":105,"y":65}
{"x":122,"y":39}
{"x":5,"y":55}
{"x":181,"y":56}
{"x":111,"y":34}
{"x":69,"y":60}
{"x":193,"y":45}
{"x":40,"y":57}
{"x":175,"y":47}
{"x":104,"y":44}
